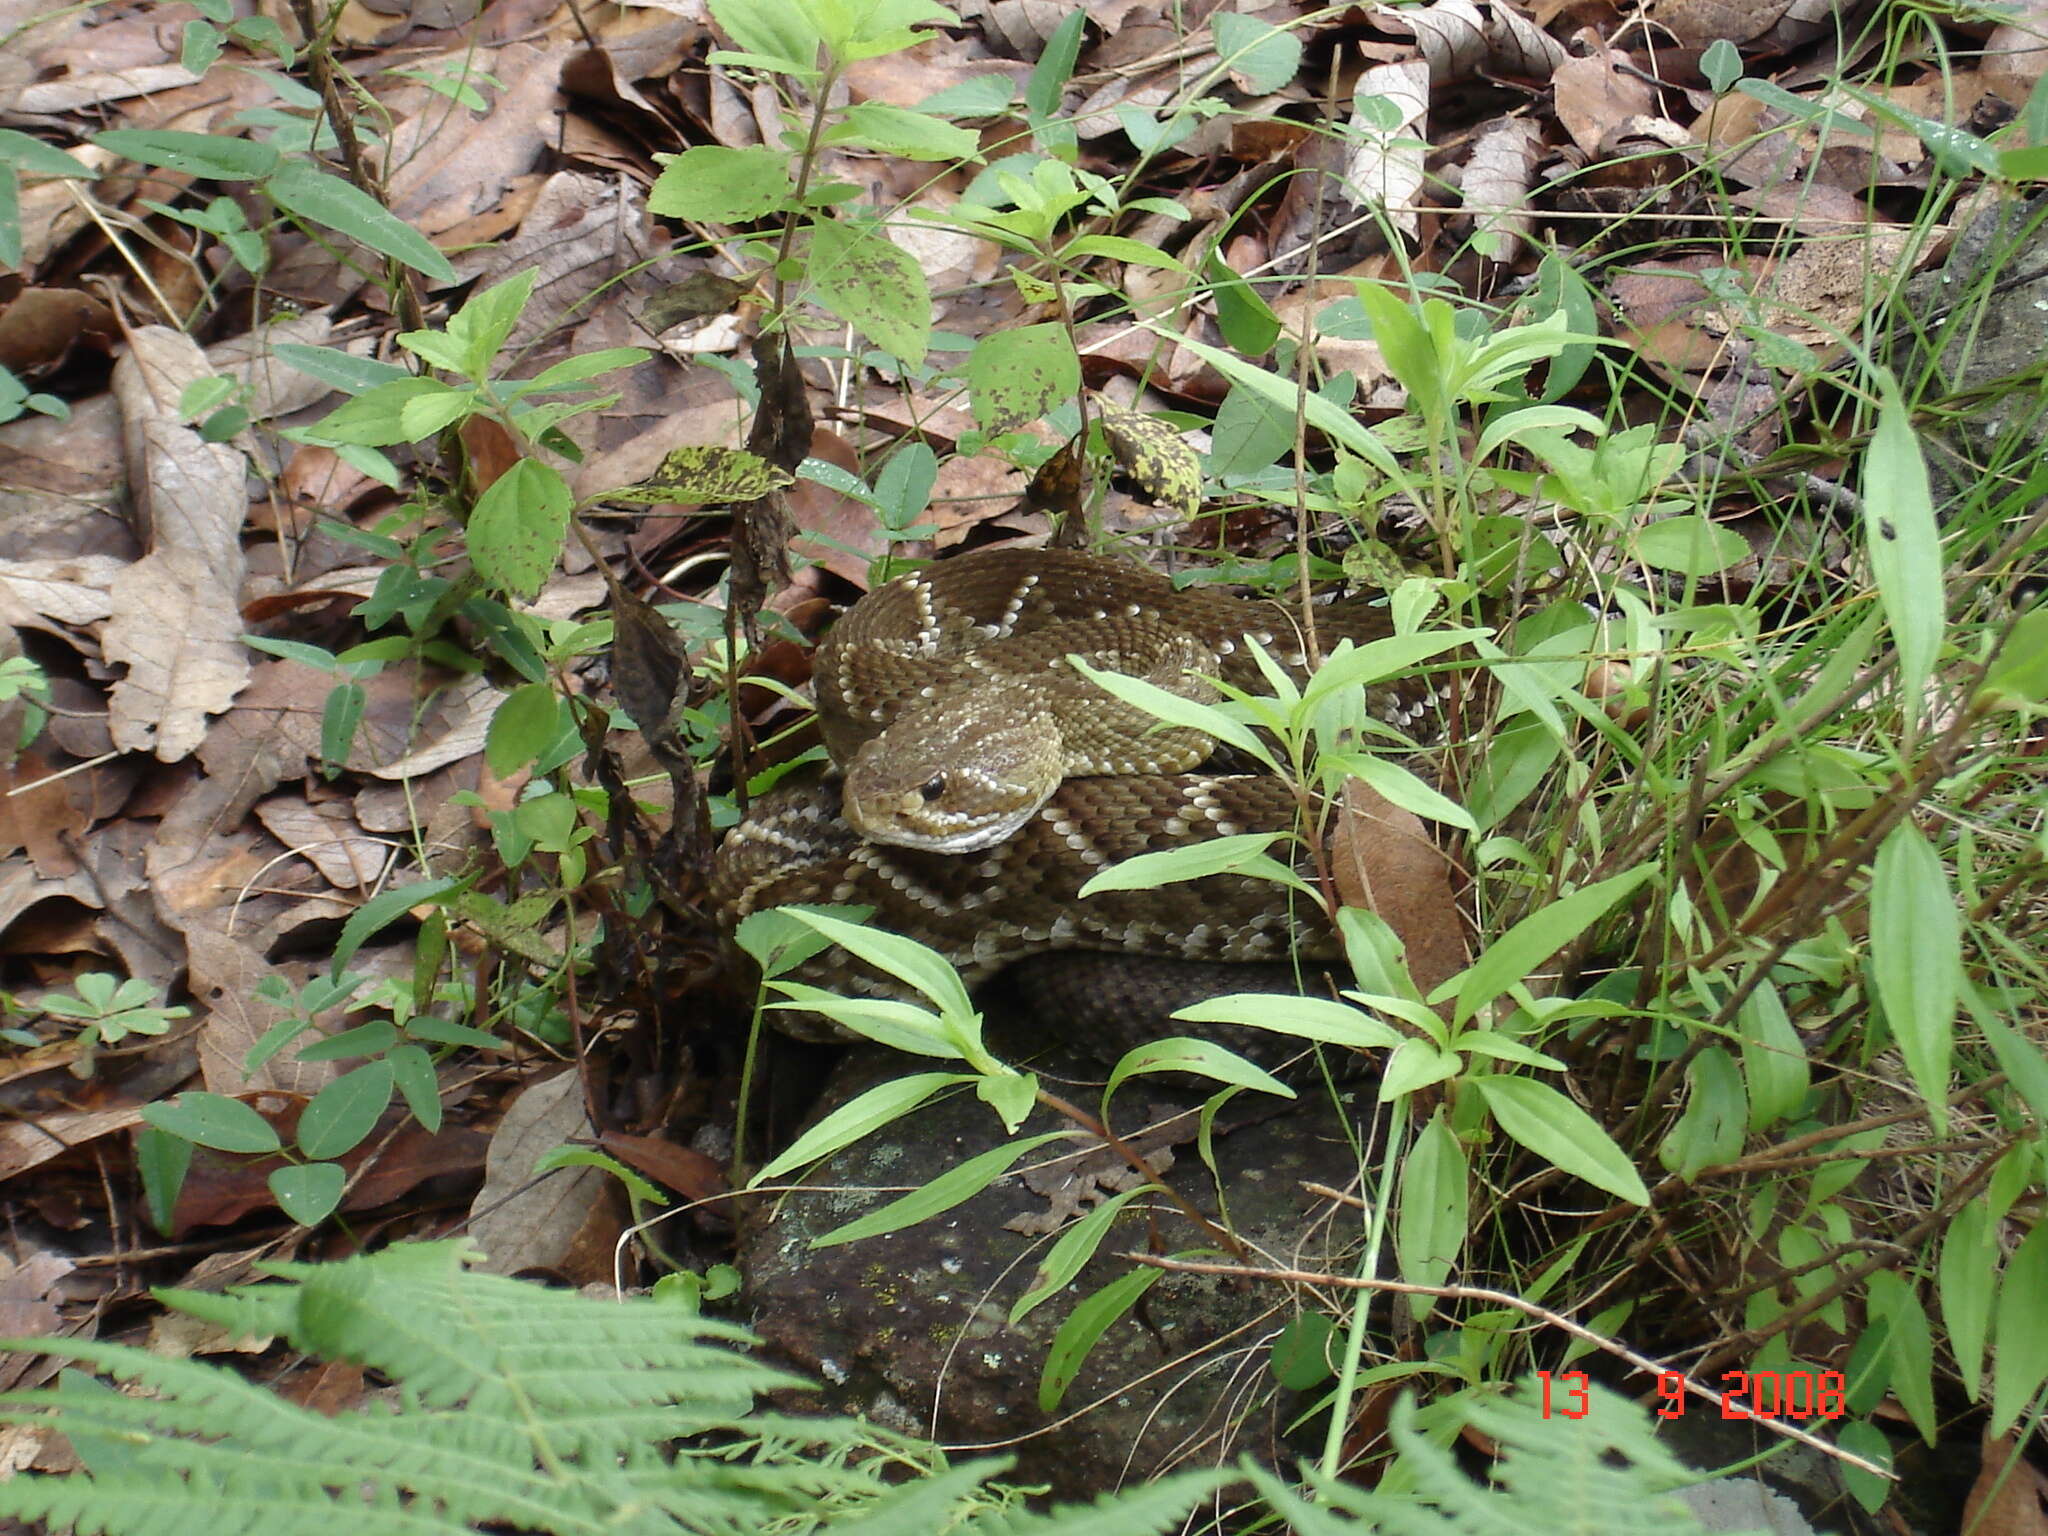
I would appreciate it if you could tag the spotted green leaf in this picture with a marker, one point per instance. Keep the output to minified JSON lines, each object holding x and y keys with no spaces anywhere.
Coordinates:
{"x":1015,"y":377}
{"x":1154,"y":455}
{"x":872,"y":285}
{"x":698,"y":475}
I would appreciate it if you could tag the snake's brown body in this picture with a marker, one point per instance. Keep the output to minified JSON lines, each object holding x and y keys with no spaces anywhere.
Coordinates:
{"x":900,"y":651}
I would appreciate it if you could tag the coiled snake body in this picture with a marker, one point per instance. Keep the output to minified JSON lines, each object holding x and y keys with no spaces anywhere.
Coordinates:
{"x":985,"y":781}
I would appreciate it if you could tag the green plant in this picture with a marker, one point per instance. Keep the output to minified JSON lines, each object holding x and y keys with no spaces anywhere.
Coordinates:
{"x":514,"y":1405}
{"x":111,"y":1010}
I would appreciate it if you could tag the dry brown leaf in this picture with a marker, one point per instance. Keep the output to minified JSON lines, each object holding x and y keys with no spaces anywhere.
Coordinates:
{"x":2007,"y":1498}
{"x":1450,"y":34}
{"x":565,"y":1221}
{"x":176,"y":620}
{"x":1385,"y":170}
{"x":327,"y":837}
{"x":52,"y":594}
{"x":225,"y":971}
{"x":456,"y":732}
{"x":1498,"y":178}
{"x":1696,"y":23}
{"x":1383,"y":860}
{"x":1593,"y":95}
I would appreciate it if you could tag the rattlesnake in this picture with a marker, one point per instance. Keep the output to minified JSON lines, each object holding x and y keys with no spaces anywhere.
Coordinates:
{"x":985,"y":781}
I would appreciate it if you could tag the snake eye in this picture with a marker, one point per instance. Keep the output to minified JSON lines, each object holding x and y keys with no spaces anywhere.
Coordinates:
{"x":933,"y":787}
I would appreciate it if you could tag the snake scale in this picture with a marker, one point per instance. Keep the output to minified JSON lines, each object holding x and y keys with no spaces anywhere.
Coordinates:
{"x":982,"y":781}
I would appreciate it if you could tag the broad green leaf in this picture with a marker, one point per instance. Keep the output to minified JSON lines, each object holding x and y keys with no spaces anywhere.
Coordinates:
{"x":571,"y":372}
{"x":1860,"y":1437}
{"x":1416,"y":1064}
{"x":412,"y":1069}
{"x":887,"y":1021}
{"x":1304,"y":1018}
{"x":1246,"y":320}
{"x":957,"y":1184}
{"x":1176,"y":710}
{"x":2020,"y":1364}
{"x":344,"y":370}
{"x":780,"y":33}
{"x":340,"y":718}
{"x":340,"y":1115}
{"x":1398,"y":785}
{"x":299,"y":188}
{"x":715,"y":185}
{"x":1911,"y":1343}
{"x":778,"y":942}
{"x":1156,"y":457}
{"x":1689,"y":545}
{"x":379,"y":415}
{"x":475,"y":332}
{"x":588,"y":1157}
{"x":873,"y":285}
{"x":976,"y":96}
{"x":380,"y":912}
{"x":909,"y":961}
{"x":1241,"y":853}
{"x":696,"y":475}
{"x":1514,"y":956}
{"x":900,"y":131}
{"x":1354,"y":666}
{"x":32,"y":157}
{"x":524,"y":725}
{"x":2020,"y":1059}
{"x":874,"y":1109}
{"x":213,"y":1120}
{"x":1301,"y":1356}
{"x":1049,"y":77}
{"x":308,"y":1192}
{"x":1556,"y":1129}
{"x":1905,"y":544}
{"x":162,"y":1159}
{"x":1261,"y":57}
{"x":517,"y":528}
{"x":1915,"y":960}
{"x":2018,"y":679}
{"x":1123,"y":248}
{"x":1773,"y":1059}
{"x":214,"y":156}
{"x":1435,"y":1211}
{"x":1324,"y":415}
{"x":1966,"y":1281}
{"x":1014,"y":377}
{"x":1201,"y":1058}
{"x":1070,"y":1254}
{"x":1084,"y":1325}
{"x":1716,"y":1113}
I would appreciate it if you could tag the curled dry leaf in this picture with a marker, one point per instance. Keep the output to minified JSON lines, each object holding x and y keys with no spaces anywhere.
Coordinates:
{"x":1385,"y":169}
{"x":1451,"y":35}
{"x":1497,"y":183}
{"x":1383,"y":860}
{"x":176,"y":622}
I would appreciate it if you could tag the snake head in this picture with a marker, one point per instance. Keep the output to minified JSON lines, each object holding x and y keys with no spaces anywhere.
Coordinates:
{"x":956,"y":779}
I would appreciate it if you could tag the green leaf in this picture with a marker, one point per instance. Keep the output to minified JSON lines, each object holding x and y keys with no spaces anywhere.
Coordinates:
{"x":344,"y":370}
{"x":1915,"y":960}
{"x":1911,"y":1344}
{"x":32,"y":157}
{"x":900,"y":131}
{"x":2020,"y":1059}
{"x":874,"y":286}
{"x":517,"y":529}
{"x":1261,"y":57}
{"x":299,"y":188}
{"x":1716,"y":1114}
{"x":878,"y":1107}
{"x":1054,"y":69}
{"x":573,"y":371}
{"x":1302,"y":1018}
{"x":714,"y":185}
{"x":696,"y":475}
{"x":379,"y":913}
{"x":412,"y":1070}
{"x":213,"y":1120}
{"x":384,"y":413}
{"x":589,"y":1157}
{"x":308,"y":1192}
{"x":1301,"y":1356}
{"x":1905,"y":544}
{"x":475,"y":332}
{"x":2018,"y":679}
{"x":902,"y":1026}
{"x":523,"y":726}
{"x":1556,"y":1129}
{"x":1070,"y":1254}
{"x":957,"y":1184}
{"x":340,"y":718}
{"x":1966,"y":1281}
{"x":1689,"y":545}
{"x":1435,"y":1211}
{"x":1773,"y":1059}
{"x":1084,"y":1325}
{"x":195,"y":154}
{"x":780,"y":32}
{"x":1175,"y":709}
{"x":2020,"y":1365}
{"x":1515,"y":954}
{"x":162,"y":1159}
{"x":340,"y":1115}
{"x":913,"y":963}
{"x":1200,"y":1058}
{"x":1123,"y":248}
{"x":1246,"y":320}
{"x":1014,"y":377}
{"x":1242,"y":853}
{"x":976,"y":96}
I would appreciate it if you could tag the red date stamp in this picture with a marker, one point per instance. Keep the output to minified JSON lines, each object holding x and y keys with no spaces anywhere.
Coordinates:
{"x":1744,"y":1394}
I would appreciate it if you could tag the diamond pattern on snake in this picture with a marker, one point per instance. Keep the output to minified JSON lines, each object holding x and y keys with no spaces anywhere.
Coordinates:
{"x":980,"y":780}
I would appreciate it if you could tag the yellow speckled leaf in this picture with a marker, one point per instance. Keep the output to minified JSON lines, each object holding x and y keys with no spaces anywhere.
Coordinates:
{"x":1152,"y":453}
{"x":697,"y":476}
